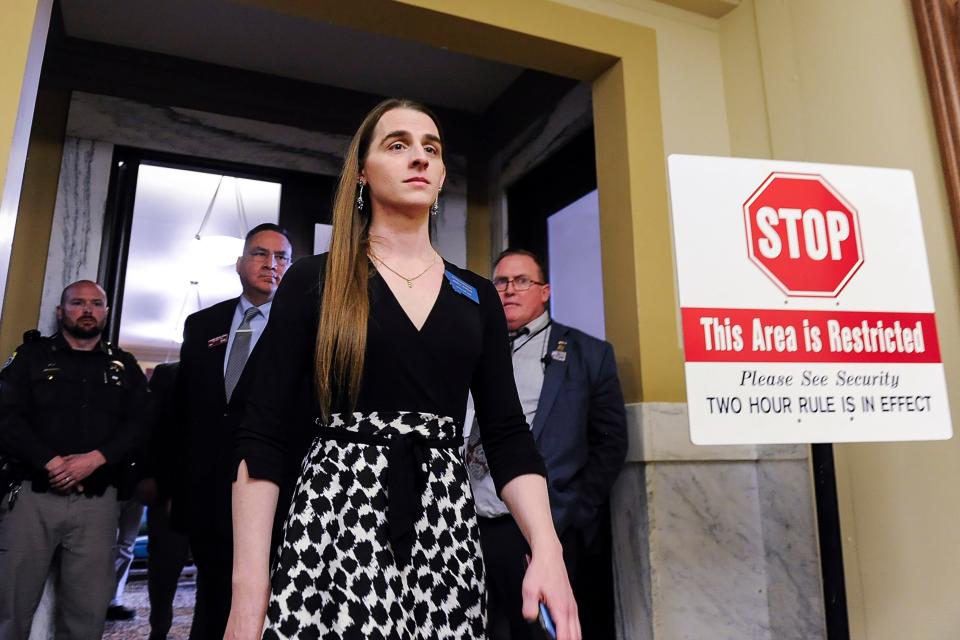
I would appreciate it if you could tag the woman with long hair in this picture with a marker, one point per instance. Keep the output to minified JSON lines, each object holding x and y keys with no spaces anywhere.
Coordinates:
{"x":387,"y":339}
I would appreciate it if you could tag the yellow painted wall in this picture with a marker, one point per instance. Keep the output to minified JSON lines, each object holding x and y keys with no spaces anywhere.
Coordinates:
{"x":34,"y":218}
{"x":690,"y":72}
{"x":17,"y":19}
{"x":843,"y":82}
{"x":689,"y":76}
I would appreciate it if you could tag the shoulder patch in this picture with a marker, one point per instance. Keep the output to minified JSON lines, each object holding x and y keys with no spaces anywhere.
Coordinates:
{"x":9,"y":361}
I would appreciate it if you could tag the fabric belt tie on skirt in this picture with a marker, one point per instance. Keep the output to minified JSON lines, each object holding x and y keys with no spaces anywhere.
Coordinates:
{"x":406,"y":480}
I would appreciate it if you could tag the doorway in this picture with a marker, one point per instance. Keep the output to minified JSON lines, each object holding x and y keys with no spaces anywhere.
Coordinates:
{"x":554,"y":211}
{"x":196,"y":211}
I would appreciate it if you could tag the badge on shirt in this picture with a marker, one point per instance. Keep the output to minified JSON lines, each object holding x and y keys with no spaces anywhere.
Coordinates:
{"x":113,"y":374}
{"x":560,"y":353}
{"x":462,"y":287}
{"x":219,"y":340}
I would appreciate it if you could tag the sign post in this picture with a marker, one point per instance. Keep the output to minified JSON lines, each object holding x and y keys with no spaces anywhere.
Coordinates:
{"x":806,"y":304}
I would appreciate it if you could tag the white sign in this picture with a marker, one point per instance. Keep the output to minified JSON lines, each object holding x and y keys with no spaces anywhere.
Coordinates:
{"x":806,"y":303}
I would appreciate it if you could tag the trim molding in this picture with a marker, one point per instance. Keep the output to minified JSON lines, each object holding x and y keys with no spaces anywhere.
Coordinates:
{"x":938,"y":32}
{"x":709,"y":8}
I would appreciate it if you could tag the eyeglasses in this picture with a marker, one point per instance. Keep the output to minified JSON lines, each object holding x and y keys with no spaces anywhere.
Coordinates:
{"x":520,"y":283}
{"x":262,"y":255}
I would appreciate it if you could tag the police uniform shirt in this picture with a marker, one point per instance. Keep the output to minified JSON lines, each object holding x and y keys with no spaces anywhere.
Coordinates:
{"x":55,"y":400}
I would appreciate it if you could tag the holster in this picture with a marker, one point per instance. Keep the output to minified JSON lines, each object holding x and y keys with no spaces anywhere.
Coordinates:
{"x":12,"y":475}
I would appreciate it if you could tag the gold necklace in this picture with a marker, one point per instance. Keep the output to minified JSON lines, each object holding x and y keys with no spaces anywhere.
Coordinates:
{"x":409,"y":281}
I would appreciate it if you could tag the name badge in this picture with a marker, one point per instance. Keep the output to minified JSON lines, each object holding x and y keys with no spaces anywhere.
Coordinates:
{"x":462,"y":287}
{"x":560,"y":354}
{"x":214,"y":342}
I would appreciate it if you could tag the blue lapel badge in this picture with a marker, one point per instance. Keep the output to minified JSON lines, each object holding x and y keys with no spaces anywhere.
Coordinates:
{"x":462,"y":287}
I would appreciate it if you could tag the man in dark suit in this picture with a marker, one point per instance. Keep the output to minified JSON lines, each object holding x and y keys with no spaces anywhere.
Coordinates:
{"x":167,"y":549}
{"x":568,"y":387}
{"x":216,"y":361}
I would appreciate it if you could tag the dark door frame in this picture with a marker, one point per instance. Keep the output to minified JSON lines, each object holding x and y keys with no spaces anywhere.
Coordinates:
{"x":296,"y":188}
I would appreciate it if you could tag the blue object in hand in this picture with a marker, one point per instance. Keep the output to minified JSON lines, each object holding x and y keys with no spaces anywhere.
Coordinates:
{"x":546,"y":622}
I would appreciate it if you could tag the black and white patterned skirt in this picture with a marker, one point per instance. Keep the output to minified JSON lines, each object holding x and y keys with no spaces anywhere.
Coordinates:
{"x":361,"y":561}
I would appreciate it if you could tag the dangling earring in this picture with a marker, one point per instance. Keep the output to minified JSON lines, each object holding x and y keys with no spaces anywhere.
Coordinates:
{"x":435,"y":207}
{"x":360,"y":197}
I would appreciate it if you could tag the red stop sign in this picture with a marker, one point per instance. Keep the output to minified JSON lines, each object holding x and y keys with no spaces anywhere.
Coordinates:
{"x":803,"y":234}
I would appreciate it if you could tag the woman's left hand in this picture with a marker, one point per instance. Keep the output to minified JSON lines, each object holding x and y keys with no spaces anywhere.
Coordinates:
{"x":546,"y":581}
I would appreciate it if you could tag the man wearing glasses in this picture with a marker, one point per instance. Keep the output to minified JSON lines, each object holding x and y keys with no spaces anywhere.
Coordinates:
{"x":216,"y":360}
{"x":568,"y":387}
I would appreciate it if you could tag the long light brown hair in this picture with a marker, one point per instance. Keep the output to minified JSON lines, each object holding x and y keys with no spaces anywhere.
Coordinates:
{"x":345,"y":306}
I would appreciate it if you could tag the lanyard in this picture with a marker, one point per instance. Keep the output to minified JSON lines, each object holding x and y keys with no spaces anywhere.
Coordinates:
{"x":534,"y":335}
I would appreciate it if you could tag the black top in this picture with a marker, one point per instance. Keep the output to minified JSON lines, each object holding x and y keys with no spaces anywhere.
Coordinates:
{"x":58,"y":401}
{"x":461,"y":347}
{"x":164,"y":418}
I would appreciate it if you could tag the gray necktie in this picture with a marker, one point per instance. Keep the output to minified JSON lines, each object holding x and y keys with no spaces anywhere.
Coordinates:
{"x":239,"y":351}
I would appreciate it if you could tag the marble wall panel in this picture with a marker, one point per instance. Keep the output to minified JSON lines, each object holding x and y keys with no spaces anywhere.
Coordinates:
{"x":206,"y":135}
{"x":74,"y":252}
{"x":707,"y":553}
{"x":631,"y":555}
{"x":794,"y":587}
{"x":713,"y":542}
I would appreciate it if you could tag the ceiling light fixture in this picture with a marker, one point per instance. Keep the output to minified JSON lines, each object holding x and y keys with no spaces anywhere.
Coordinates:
{"x":176,"y":336}
{"x":221,"y":250}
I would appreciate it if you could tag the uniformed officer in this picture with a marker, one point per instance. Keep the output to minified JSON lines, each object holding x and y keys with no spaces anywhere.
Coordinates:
{"x":72,"y":409}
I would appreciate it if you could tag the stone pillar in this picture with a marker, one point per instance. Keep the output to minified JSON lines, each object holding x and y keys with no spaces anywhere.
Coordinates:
{"x":713,"y":542}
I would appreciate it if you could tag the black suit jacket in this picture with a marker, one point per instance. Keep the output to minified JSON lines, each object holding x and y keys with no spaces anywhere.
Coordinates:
{"x":209,"y":422}
{"x":159,"y":462}
{"x":580,"y":427}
